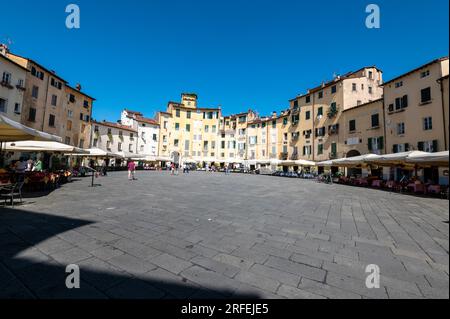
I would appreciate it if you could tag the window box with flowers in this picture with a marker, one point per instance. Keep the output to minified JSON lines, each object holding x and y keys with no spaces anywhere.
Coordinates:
{"x":332,"y":110}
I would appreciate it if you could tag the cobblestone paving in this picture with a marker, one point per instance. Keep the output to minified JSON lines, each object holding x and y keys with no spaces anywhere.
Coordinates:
{"x":206,"y":235}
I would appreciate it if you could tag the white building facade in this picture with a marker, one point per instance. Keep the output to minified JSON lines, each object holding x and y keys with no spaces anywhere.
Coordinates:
{"x":114,"y":138}
{"x":12,"y":87}
{"x":147,"y":132}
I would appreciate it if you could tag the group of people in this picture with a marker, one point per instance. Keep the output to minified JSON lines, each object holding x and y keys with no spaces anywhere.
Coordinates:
{"x":23,"y":165}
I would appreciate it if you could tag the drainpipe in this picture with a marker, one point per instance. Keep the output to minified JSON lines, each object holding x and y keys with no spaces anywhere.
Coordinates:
{"x":443,"y":113}
{"x":384,"y":128}
{"x":313,"y":133}
{"x":45,"y":104}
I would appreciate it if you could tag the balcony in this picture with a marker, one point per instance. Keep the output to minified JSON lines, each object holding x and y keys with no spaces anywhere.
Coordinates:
{"x":283,"y":156}
{"x":333,"y":155}
{"x":6,"y":84}
{"x":294,"y":157}
{"x":333,"y":131}
{"x":20,"y":87}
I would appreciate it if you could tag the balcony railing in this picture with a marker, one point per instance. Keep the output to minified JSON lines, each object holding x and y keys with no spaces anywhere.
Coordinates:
{"x":294,"y":157}
{"x":283,"y":156}
{"x":6,"y":84}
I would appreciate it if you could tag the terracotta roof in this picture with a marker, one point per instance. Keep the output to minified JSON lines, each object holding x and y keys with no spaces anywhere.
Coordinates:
{"x":146,"y":120}
{"x":364,"y":104}
{"x":416,"y":69}
{"x":13,"y":62}
{"x":40,"y":66}
{"x":74,"y":89}
{"x":208,"y":109}
{"x":115,"y":125}
{"x":133,"y":112}
{"x":167,"y":113}
{"x":332,"y":82}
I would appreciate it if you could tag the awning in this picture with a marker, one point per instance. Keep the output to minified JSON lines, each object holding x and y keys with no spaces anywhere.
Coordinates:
{"x":43,"y":146}
{"x":12,"y":131}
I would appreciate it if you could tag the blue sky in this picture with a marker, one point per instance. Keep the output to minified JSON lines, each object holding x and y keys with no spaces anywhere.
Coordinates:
{"x":234,"y":53}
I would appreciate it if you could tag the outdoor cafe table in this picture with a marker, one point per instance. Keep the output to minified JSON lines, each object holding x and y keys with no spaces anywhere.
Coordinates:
{"x":434,"y":189}
{"x":416,"y":187}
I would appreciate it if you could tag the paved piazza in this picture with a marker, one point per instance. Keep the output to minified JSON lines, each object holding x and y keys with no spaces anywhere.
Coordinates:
{"x":208,"y":235}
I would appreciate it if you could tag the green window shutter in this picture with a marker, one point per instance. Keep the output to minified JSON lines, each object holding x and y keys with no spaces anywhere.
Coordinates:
{"x":420,"y":146}
{"x":435,"y":145}
{"x":381,"y":143}
{"x":369,"y":143}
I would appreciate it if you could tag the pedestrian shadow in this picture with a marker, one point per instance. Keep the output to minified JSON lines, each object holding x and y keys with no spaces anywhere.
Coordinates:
{"x":26,"y":273}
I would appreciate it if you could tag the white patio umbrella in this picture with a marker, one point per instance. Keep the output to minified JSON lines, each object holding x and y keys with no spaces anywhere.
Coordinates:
{"x":12,"y":131}
{"x":163,"y":158}
{"x":43,"y":146}
{"x":355,"y":160}
{"x":325,"y":163}
{"x":97,"y":152}
{"x":429,"y":159}
{"x":125,"y":154}
{"x":394,"y":158}
{"x":302,"y":162}
{"x":275,"y":162}
{"x":144,"y":158}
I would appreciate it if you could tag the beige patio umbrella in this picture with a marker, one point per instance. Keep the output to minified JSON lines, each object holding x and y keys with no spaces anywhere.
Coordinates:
{"x":360,"y":160}
{"x":429,"y":159}
{"x":43,"y":146}
{"x":12,"y":131}
{"x":97,"y":152}
{"x":302,"y":162}
{"x":394,"y":159}
{"x":328,"y":163}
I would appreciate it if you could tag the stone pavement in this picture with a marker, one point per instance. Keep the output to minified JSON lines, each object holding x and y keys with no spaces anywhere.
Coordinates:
{"x":208,"y":235}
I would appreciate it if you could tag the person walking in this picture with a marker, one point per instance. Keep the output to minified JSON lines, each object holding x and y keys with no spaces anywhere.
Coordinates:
{"x":104,"y":168}
{"x":131,"y":170}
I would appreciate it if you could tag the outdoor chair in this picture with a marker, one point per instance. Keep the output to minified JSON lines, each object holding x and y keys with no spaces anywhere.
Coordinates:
{"x":393,"y":186}
{"x":434,"y":189}
{"x":12,"y":191}
{"x":377,"y":183}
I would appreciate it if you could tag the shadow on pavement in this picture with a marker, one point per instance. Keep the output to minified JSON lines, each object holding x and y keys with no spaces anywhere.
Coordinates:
{"x":27,"y":273}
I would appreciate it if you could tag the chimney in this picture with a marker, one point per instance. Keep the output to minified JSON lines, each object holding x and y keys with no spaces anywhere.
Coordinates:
{"x":274,"y":114}
{"x":3,"y":49}
{"x":78,"y":86}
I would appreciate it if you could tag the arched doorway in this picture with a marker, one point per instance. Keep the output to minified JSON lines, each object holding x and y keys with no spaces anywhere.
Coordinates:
{"x":353,"y":170}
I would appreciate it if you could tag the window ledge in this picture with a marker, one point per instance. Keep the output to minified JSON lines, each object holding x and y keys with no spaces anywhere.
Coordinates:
{"x":396,"y":111}
{"x":426,"y":102}
{"x":374,"y":128}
